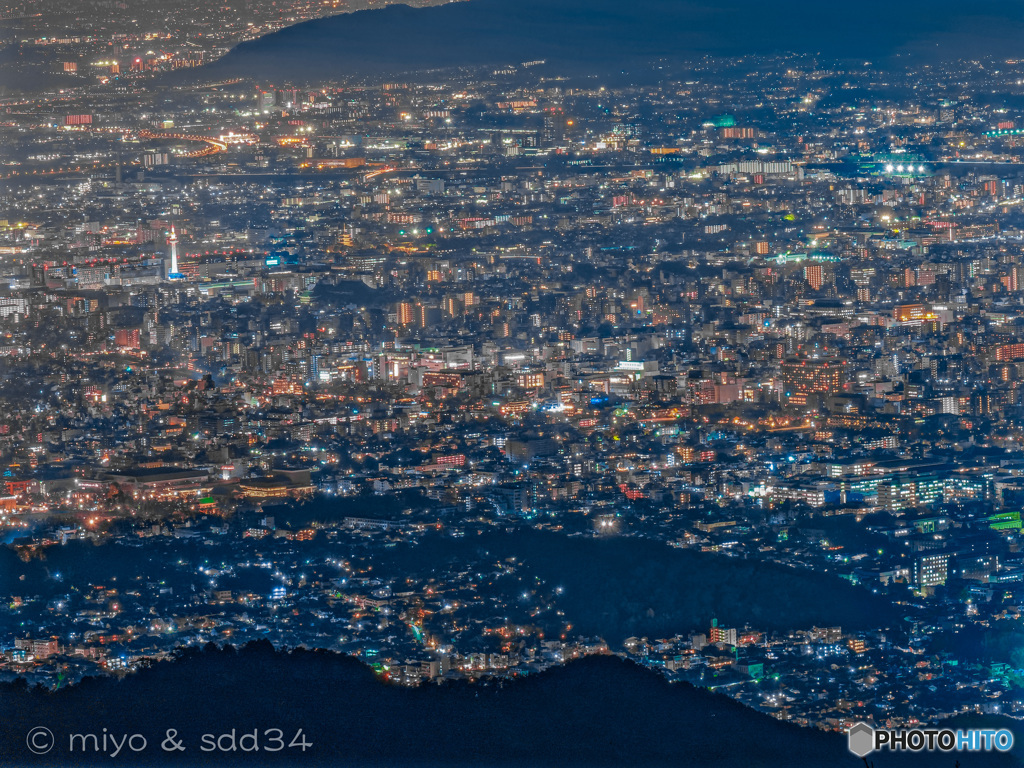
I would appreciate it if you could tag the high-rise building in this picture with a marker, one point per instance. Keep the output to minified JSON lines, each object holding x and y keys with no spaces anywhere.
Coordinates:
{"x":556,"y":127}
{"x":719,"y":634}
{"x":406,"y":313}
{"x":930,"y":569}
{"x":825,"y":377}
{"x":815,"y":276}
{"x":128,"y":337}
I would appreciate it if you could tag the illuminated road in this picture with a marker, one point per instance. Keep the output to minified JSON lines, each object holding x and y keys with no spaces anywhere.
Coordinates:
{"x":67,"y":170}
{"x":213,"y":146}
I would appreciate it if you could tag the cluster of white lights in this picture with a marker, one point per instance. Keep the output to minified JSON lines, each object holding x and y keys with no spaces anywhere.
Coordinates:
{"x":901,"y":168}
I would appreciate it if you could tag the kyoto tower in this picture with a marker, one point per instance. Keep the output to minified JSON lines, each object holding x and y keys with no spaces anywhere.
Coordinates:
{"x":173,"y":273}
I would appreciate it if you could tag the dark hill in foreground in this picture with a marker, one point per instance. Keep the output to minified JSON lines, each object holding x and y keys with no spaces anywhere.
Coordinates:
{"x":598,"y":711}
{"x":606,"y":35}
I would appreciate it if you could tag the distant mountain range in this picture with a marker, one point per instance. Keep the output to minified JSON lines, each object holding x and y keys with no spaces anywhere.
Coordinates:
{"x":599,"y":711}
{"x":606,"y":35}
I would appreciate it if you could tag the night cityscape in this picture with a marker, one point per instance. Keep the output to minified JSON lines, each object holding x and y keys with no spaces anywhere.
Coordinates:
{"x":696,"y":379}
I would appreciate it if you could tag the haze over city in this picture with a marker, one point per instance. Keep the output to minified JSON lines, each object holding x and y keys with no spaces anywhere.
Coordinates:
{"x":487,"y":383}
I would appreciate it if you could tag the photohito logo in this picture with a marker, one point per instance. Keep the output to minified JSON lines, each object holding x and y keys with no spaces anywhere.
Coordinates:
{"x":862,"y":739}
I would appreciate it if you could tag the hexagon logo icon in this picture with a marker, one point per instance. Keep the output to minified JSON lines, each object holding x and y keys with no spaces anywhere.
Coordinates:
{"x":860,"y":739}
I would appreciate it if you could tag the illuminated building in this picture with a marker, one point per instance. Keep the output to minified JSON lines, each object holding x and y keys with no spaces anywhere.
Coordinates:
{"x":813,"y":377}
{"x":930,"y":569}
{"x":723,"y":635}
{"x":406,"y":313}
{"x":815,"y":276}
{"x":905,"y":313}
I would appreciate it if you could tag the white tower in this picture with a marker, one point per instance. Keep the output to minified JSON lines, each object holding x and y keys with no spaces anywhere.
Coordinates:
{"x":173,"y":240}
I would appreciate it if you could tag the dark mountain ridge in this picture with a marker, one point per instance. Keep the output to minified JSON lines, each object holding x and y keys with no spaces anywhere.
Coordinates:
{"x":603,"y":36}
{"x":597,"y":711}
